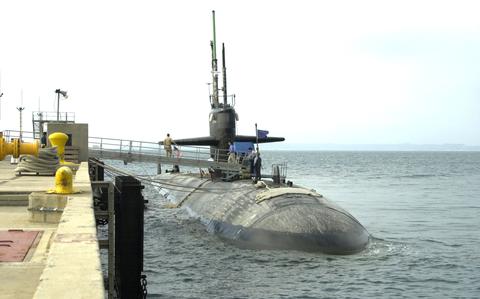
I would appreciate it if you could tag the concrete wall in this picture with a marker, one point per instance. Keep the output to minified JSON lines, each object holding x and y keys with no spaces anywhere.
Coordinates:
{"x":79,"y":136}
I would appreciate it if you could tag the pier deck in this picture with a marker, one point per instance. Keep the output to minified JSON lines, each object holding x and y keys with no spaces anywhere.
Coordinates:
{"x":63,"y":261}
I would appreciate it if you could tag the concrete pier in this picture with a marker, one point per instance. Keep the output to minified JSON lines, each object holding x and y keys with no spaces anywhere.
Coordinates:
{"x":63,"y":260}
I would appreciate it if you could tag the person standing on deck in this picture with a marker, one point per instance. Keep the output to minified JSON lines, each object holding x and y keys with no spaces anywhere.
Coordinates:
{"x":257,"y":163}
{"x":167,"y":145}
{"x":43,"y":139}
{"x":231,"y":153}
{"x":250,"y":158}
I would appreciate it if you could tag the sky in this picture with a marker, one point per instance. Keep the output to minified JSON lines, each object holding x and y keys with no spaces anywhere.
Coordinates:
{"x":314,"y":72}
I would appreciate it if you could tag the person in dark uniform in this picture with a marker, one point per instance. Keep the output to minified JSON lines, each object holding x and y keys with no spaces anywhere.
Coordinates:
{"x":43,"y":140}
{"x":257,"y":164}
{"x":250,"y":158}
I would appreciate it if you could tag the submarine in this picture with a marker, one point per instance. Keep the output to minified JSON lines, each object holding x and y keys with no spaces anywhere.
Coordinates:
{"x":268,"y":214}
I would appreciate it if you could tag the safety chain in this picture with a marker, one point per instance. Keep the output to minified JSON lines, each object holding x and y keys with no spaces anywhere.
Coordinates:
{"x":143,"y":280}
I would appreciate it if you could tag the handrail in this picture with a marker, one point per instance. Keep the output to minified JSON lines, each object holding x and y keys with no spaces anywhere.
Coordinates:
{"x":139,"y":147}
{"x":52,"y":116}
{"x":156,"y":149}
{"x":13,"y":134}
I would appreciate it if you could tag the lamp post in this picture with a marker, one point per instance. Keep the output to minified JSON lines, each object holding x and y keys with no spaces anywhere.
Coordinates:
{"x":20,"y":109}
{"x":1,"y":94}
{"x":64,"y":94}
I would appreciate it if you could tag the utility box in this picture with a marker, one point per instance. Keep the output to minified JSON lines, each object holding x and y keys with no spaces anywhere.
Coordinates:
{"x":76,"y":149}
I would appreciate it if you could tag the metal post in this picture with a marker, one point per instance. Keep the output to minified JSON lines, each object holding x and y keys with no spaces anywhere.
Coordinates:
{"x":159,"y":166}
{"x":128,"y":236}
{"x":256,"y":134}
{"x":58,"y":106}
{"x":1,"y":94}
{"x":64,"y":94}
{"x":20,"y":109}
{"x":111,"y":242}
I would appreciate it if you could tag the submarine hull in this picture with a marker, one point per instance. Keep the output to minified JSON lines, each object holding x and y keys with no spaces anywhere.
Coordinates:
{"x":292,"y":218}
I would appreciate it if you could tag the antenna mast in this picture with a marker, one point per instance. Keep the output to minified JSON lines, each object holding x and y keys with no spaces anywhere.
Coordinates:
{"x":224,"y":77}
{"x":213,"y":44}
{"x":1,"y":94}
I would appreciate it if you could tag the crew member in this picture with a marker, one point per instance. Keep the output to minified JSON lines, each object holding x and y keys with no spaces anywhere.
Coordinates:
{"x":231,"y":153}
{"x":250,"y":157}
{"x":167,"y":145}
{"x":43,"y":139}
{"x":257,"y":163}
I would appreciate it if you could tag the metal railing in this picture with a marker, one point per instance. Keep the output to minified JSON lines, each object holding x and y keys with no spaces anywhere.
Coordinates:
{"x":9,"y":135}
{"x":45,"y":116}
{"x":230,"y":100}
{"x":156,"y":149}
{"x":146,"y":148}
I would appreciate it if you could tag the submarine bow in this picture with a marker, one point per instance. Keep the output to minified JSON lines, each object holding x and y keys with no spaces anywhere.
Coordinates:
{"x":297,"y":219}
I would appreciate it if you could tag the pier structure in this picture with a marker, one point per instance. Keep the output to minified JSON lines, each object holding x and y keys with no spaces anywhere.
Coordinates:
{"x":53,"y":247}
{"x":49,"y":242}
{"x":49,"y":247}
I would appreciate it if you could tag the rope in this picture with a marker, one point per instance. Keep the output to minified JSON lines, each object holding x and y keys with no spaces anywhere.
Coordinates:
{"x":164,"y":182}
{"x":188,"y":195}
{"x":46,"y":162}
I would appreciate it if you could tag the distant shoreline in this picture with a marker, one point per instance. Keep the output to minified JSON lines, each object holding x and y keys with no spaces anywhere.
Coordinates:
{"x":371,"y":147}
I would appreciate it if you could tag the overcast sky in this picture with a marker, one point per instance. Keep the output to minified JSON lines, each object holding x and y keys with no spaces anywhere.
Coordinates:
{"x":343,"y":72}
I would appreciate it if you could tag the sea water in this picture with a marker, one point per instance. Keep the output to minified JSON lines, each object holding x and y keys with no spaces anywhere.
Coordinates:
{"x":422,"y":209}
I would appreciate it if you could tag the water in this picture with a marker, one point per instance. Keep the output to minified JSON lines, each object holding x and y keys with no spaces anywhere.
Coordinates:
{"x":423,"y":208}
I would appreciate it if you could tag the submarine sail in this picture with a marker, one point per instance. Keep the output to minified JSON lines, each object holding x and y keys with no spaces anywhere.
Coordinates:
{"x":222,"y":117}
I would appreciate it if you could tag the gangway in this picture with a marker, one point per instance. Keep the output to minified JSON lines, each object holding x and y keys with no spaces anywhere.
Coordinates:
{"x":153,"y":152}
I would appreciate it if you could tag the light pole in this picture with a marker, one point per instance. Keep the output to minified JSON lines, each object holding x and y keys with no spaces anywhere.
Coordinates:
{"x":20,"y":109}
{"x":64,"y":94}
{"x":1,"y":94}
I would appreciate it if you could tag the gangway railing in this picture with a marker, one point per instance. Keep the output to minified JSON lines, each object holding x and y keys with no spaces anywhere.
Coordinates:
{"x":136,"y":147}
{"x":145,"y":151}
{"x":101,"y":144}
{"x":154,"y":152}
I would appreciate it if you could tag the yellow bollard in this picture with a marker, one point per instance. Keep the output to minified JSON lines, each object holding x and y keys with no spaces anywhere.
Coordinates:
{"x":59,"y":140}
{"x":63,"y":181}
{"x":17,"y":148}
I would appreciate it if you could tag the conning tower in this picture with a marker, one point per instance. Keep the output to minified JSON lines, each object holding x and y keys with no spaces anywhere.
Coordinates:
{"x":222,"y":117}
